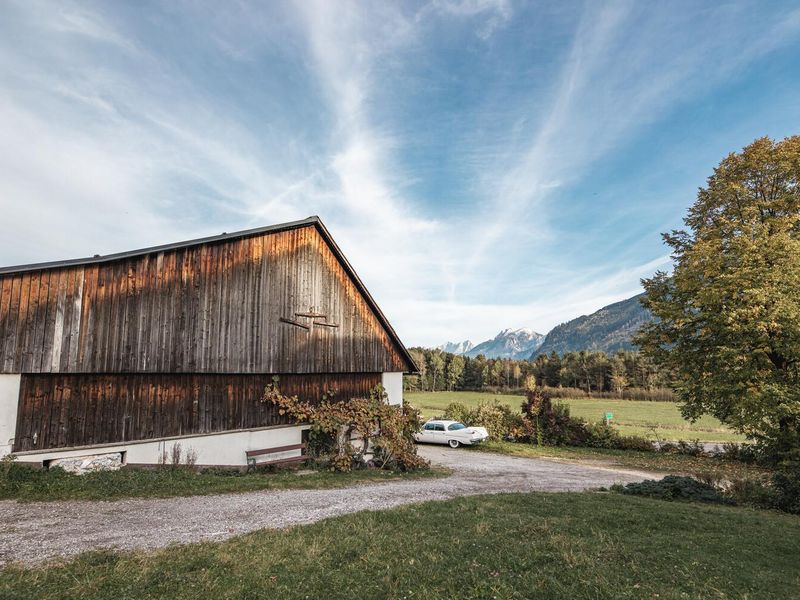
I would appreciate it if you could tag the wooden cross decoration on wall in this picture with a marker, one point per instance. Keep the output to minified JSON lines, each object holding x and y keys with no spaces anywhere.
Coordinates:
{"x":312,"y":317}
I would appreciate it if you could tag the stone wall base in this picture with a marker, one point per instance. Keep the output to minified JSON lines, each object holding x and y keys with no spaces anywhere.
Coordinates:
{"x":87,"y":464}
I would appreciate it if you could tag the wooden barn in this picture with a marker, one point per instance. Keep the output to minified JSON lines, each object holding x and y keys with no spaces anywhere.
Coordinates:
{"x":130,"y":353}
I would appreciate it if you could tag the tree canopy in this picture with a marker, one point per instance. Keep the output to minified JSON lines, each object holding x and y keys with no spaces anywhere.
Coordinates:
{"x":727,"y":320}
{"x":582,"y":371}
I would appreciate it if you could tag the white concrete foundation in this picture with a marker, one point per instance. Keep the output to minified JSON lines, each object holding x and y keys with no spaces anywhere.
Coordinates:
{"x":393,"y":385}
{"x":9,"y":400}
{"x":212,"y":449}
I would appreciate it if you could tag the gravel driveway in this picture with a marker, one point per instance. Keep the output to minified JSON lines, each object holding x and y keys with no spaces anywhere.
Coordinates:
{"x":36,"y":531}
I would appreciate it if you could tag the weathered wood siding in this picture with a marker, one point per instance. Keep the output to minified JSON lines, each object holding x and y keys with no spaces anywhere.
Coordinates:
{"x":208,"y":308}
{"x":63,"y":410}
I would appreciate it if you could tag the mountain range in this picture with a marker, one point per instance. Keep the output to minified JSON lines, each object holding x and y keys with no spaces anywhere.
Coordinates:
{"x":608,"y":329}
{"x":457,"y":347}
{"x":509,"y":343}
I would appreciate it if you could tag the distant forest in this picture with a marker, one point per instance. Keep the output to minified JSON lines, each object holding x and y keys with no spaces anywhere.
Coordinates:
{"x":589,"y":372}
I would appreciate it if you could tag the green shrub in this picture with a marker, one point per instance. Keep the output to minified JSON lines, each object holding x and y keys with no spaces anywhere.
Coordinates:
{"x":780,"y":491}
{"x":786,"y":490}
{"x":694,"y":448}
{"x":559,"y":428}
{"x":552,"y":425}
{"x":498,"y":419}
{"x":745,"y":453}
{"x":457,"y":412}
{"x":674,"y":487}
{"x":751,"y":492}
{"x":602,"y":435}
{"x":634,"y":442}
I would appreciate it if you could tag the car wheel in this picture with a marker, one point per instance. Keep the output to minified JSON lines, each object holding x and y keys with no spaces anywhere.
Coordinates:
{"x":454,"y":443}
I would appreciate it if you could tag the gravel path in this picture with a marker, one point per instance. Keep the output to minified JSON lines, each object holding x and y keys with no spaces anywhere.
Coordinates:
{"x":37,"y":531}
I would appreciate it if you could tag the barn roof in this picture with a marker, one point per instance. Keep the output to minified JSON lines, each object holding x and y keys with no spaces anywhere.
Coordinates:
{"x":97,"y":258}
{"x":314,"y":221}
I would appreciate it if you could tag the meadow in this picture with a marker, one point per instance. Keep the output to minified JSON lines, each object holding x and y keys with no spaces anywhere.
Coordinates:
{"x":631,"y":417}
{"x":564,"y":545}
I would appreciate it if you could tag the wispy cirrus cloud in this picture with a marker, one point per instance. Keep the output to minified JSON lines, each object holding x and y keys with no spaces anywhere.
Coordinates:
{"x":347,"y":46}
{"x":479,"y":162}
{"x":491,"y":14}
{"x":628,"y":66}
{"x":162,"y":144}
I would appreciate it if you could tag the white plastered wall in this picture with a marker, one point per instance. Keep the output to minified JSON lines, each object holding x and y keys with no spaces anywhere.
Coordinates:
{"x":9,"y":399}
{"x":393,"y":386}
{"x":213,"y":449}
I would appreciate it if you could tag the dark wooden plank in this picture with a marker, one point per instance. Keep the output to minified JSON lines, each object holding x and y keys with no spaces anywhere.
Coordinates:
{"x":69,"y":343}
{"x":12,"y":326}
{"x":30,"y":322}
{"x":275,"y":450}
{"x":24,"y":414}
{"x":6,"y":320}
{"x":102,"y":324}
{"x":79,"y":320}
{"x":118,"y":331}
{"x":57,"y":333}
{"x":146,"y":318}
{"x":192,"y":308}
{"x":44,"y":321}
{"x":211,"y":308}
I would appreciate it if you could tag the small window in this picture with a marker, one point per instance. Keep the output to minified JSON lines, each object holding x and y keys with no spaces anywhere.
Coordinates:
{"x":438,"y":426}
{"x":456,"y":427}
{"x":428,"y":427}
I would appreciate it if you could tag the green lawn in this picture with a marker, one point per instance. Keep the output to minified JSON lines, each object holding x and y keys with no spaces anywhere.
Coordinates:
{"x":656,"y":462}
{"x":576,"y":546}
{"x":27,"y":484}
{"x":631,"y":417}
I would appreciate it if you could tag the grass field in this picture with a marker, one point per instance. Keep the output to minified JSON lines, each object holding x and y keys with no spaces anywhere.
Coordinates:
{"x":631,"y":417}
{"x":591,"y":545}
{"x":27,"y":485}
{"x":656,"y":462}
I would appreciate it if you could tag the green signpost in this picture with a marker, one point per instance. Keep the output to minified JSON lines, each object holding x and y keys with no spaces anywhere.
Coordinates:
{"x":609,"y":416}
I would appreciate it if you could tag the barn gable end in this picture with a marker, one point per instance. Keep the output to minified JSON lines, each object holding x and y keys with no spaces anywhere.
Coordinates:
{"x":234,"y":305}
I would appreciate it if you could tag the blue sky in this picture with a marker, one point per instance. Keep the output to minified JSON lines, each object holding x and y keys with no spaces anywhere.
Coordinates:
{"x":484,"y":164}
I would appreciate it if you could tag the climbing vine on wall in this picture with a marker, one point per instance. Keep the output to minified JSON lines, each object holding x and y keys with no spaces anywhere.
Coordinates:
{"x":358,"y":431}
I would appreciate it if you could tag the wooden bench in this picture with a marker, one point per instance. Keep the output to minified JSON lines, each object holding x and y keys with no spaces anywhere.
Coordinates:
{"x":252,"y":456}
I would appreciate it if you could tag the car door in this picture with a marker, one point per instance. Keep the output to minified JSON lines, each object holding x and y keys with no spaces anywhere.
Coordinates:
{"x":439,"y":435}
{"x":426,"y":434}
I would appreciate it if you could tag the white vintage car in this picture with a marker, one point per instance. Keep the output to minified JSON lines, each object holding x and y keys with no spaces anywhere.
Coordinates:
{"x":453,"y":433}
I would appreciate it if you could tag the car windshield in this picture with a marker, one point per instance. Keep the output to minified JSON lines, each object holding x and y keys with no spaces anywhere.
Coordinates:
{"x":456,"y":426}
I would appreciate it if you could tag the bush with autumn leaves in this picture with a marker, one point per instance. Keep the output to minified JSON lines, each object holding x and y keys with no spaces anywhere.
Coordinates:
{"x":543,"y":423}
{"x":356,"y":432}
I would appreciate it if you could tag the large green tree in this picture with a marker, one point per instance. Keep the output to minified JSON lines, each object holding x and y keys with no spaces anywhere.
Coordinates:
{"x":436,"y":364}
{"x":727,"y":321}
{"x":455,"y":371}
